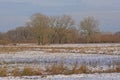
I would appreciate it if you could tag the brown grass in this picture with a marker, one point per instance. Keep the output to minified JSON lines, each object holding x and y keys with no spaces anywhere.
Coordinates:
{"x":62,"y":69}
{"x":112,"y":70}
{"x":28,"y":71}
{"x":3,"y":72}
{"x":54,"y":69}
{"x":78,"y":69}
{"x":12,"y":49}
{"x":16,"y":72}
{"x":94,"y":50}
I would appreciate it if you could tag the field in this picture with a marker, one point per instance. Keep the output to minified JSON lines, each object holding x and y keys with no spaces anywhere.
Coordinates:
{"x":108,"y":76}
{"x":60,"y":62}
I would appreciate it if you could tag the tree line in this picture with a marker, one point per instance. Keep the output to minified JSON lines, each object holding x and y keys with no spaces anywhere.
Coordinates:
{"x":43,"y":29}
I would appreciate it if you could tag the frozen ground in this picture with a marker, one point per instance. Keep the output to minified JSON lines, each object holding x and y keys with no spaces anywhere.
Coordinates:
{"x":112,"y":48}
{"x":75,"y":45}
{"x":108,"y":76}
{"x":39,"y":57}
{"x":44,"y":58}
{"x":85,"y":45}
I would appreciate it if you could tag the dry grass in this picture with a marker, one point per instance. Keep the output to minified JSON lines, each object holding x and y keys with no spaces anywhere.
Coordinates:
{"x":54,"y":69}
{"x":83,"y":69}
{"x":62,"y":69}
{"x":54,"y":51}
{"x":92,"y":49}
{"x":3,"y":72}
{"x":112,"y":70}
{"x":78,"y":70}
{"x":28,"y":71}
{"x":12,"y":49}
{"x":117,"y":69}
{"x":16,"y":72}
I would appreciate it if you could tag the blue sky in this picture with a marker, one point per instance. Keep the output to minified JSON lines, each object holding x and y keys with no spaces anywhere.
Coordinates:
{"x":15,"y":13}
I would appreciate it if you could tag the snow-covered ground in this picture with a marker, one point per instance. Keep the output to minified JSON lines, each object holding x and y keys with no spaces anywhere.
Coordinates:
{"x":85,"y":45}
{"x":39,"y":57}
{"x":108,"y":76}
{"x":43,"y":58}
{"x":74,"y":45}
{"x":108,"y":48}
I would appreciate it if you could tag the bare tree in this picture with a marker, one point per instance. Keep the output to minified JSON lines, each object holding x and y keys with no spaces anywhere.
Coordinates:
{"x":60,"y":26}
{"x":3,"y":39}
{"x":20,"y":34}
{"x":40,"y":25}
{"x":89,"y":26}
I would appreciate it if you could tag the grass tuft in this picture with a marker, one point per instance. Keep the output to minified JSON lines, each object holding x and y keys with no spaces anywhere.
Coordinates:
{"x":3,"y":72}
{"x":28,"y":71}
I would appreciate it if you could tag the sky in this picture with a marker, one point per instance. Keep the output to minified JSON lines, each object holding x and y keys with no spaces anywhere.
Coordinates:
{"x":15,"y":13}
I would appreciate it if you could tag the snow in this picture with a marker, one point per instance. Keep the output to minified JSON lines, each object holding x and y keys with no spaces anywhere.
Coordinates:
{"x":69,"y":59}
{"x":85,"y":45}
{"x":41,"y":57}
{"x":107,"y":76}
